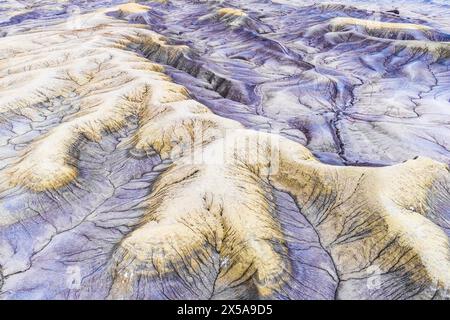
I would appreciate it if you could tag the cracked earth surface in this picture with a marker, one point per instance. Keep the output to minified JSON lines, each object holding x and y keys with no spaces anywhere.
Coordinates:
{"x":224,"y":150}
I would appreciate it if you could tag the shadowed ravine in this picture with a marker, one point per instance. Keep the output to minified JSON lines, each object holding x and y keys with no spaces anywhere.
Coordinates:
{"x":224,"y":150}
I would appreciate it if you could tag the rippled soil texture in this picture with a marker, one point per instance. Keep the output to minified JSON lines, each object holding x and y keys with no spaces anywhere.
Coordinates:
{"x":224,"y":150}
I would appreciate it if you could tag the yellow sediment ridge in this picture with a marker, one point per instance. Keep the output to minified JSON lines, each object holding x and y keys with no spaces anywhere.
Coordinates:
{"x":231,"y":12}
{"x":132,"y":8}
{"x":438,"y":49}
{"x":376,"y":25}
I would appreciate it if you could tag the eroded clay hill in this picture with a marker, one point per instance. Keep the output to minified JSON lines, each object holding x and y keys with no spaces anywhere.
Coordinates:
{"x":179,"y":149}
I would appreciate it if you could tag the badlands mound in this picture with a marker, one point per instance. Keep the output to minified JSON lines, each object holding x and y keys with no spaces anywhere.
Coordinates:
{"x":157,"y":160}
